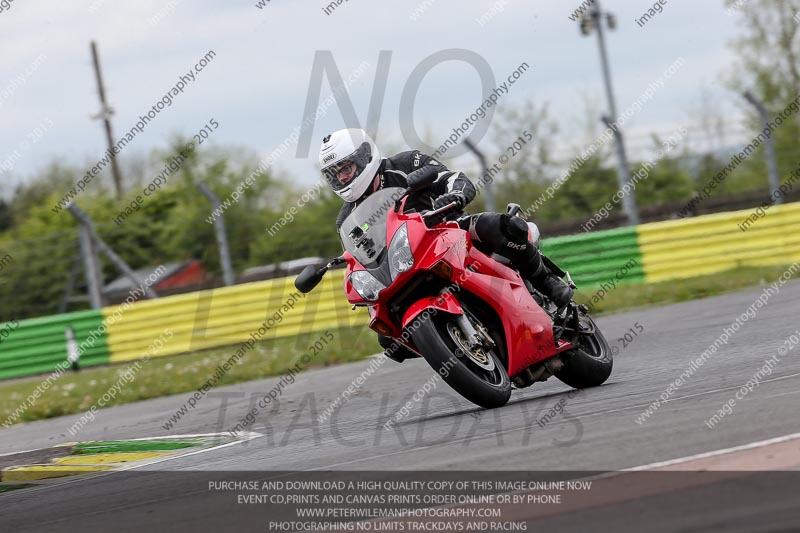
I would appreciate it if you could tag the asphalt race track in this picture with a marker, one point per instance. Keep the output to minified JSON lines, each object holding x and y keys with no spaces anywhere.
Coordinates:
{"x":596,"y":432}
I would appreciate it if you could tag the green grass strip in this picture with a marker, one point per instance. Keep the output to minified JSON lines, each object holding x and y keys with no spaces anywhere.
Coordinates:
{"x":8,"y":488}
{"x":88,"y":448}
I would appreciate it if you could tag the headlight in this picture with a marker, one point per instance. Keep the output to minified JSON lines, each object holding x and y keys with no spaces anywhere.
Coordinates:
{"x":366,"y":285}
{"x":400,"y":257}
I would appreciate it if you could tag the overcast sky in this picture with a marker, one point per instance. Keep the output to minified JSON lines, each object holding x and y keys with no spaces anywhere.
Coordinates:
{"x":256,"y":86}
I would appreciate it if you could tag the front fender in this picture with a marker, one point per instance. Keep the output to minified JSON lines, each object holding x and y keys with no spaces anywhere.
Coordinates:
{"x":444,"y":303}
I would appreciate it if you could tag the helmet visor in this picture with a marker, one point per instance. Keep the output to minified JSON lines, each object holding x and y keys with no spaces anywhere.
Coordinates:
{"x":344,"y":171}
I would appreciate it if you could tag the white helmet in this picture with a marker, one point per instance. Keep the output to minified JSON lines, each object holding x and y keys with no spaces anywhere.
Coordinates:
{"x":345,"y":147}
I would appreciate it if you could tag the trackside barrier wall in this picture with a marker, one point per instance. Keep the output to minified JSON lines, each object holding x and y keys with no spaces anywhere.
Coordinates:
{"x":593,"y":258}
{"x":230,"y":316}
{"x":714,"y":243}
{"x":38,"y":345}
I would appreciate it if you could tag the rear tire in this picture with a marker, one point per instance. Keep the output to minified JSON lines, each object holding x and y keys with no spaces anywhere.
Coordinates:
{"x":590,"y":364}
{"x":485,"y":388}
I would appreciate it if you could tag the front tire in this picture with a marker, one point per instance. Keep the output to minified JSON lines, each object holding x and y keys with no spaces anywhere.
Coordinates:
{"x":589,"y":364}
{"x":442,"y":350}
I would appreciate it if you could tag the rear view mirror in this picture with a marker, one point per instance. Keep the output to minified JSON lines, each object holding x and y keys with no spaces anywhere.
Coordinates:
{"x":309,"y":278}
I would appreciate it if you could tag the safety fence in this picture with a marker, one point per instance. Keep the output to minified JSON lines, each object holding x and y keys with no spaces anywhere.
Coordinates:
{"x":271,"y":309}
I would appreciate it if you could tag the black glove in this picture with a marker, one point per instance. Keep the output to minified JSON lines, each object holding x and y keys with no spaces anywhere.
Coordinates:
{"x":445,"y":199}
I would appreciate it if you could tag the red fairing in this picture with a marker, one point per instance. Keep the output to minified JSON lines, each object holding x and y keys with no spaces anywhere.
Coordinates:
{"x":527,"y":327}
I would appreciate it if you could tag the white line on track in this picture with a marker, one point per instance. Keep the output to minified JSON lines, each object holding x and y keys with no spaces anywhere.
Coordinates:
{"x":715,"y":453}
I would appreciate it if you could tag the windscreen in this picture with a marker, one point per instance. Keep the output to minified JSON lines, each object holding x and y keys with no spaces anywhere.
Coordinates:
{"x":363,"y":233}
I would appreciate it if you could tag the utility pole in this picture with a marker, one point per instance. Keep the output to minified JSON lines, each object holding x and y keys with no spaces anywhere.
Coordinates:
{"x":772,"y":161}
{"x":594,"y":19}
{"x":105,"y":114}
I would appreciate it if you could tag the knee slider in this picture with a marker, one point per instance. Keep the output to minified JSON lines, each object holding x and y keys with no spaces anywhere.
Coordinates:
{"x":515,"y":229}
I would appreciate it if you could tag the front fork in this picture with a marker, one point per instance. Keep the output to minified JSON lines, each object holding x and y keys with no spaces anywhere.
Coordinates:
{"x":477,"y":338}
{"x":475,"y":335}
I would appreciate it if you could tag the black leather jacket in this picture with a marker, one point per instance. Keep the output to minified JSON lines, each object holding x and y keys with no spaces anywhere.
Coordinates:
{"x":419,"y":171}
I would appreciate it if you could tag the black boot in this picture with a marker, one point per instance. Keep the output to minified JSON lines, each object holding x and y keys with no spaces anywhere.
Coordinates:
{"x":554,"y":288}
{"x":394,"y":350}
{"x":542,"y":279}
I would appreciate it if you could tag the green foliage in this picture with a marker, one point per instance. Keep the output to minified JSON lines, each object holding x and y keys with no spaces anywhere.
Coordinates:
{"x":167,"y":226}
{"x":300,"y":231}
{"x":6,"y":215}
{"x":768,"y":51}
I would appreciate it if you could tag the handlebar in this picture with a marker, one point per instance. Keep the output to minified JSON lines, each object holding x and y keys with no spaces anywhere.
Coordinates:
{"x":428,"y":214}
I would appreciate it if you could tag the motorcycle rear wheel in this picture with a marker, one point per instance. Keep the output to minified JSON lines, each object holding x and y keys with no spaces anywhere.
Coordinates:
{"x":590,"y":363}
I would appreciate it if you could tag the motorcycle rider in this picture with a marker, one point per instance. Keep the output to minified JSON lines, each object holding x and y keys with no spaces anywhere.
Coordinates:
{"x":353,"y":167}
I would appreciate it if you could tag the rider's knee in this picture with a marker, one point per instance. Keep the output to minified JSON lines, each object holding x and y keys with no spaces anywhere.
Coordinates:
{"x":515,"y":229}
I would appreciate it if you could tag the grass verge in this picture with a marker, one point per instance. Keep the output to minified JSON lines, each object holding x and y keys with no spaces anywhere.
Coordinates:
{"x":78,"y":392}
{"x":627,"y":297}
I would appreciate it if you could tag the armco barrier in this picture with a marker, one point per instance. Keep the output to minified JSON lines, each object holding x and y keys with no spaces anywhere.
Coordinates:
{"x":714,"y":243}
{"x":38,"y":345}
{"x":230,"y":316}
{"x":593,"y":258}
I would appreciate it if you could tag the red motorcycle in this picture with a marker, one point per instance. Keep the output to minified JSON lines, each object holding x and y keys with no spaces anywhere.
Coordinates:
{"x":480,"y":325}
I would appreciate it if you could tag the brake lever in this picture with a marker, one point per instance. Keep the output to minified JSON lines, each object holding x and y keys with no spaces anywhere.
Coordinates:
{"x":428,"y":214}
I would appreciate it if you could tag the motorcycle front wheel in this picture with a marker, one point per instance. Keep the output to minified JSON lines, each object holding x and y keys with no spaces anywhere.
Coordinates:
{"x":477,"y":375}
